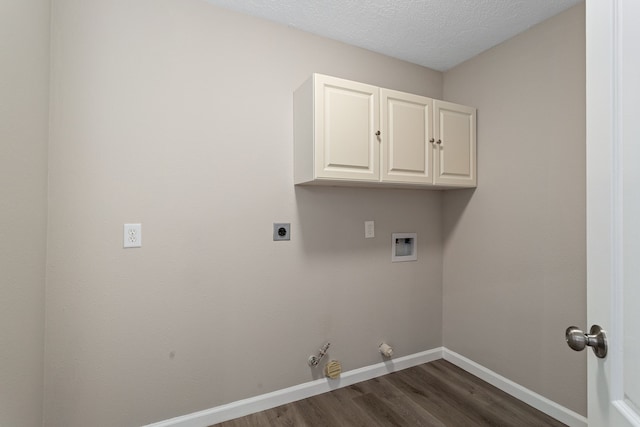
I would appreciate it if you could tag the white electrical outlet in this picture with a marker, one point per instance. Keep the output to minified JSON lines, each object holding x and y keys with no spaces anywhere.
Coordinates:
{"x":132,"y":235}
{"x":369,"y":230}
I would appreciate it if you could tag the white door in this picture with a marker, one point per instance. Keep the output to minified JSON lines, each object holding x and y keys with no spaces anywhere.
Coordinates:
{"x":613,"y":208}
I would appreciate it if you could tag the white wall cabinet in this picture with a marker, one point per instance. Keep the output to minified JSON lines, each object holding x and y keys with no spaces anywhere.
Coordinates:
{"x":336,"y":122}
{"x":406,"y":126}
{"x":454,"y":145}
{"x":350,"y":133}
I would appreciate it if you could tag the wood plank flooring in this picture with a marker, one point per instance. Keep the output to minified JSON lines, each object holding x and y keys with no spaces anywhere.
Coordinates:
{"x":434,"y":394}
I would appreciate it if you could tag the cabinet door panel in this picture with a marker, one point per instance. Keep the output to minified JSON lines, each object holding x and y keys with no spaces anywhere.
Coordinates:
{"x":346,"y":122}
{"x":455,"y":128}
{"x":406,"y":129}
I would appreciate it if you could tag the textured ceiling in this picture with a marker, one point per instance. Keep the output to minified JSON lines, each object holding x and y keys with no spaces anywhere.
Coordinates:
{"x":438,"y":34}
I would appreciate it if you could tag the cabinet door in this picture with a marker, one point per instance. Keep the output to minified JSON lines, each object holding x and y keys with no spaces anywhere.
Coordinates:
{"x":455,"y":145}
{"x":346,"y":122}
{"x":406,"y":127}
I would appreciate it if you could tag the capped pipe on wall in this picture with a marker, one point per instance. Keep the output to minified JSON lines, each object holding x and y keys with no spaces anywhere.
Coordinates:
{"x":385,"y":349}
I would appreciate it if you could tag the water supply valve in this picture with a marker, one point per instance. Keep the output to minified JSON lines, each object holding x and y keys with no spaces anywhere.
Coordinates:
{"x":313,"y":360}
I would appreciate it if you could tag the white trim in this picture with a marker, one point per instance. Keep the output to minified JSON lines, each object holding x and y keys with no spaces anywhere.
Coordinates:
{"x":616,"y":333}
{"x":627,"y":411}
{"x":298,"y":392}
{"x":266,"y":401}
{"x":527,"y":396}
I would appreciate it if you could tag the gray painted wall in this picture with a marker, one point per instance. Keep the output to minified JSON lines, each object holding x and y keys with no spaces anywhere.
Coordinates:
{"x":515,"y":248}
{"x":24,"y":93}
{"x":178,"y":115}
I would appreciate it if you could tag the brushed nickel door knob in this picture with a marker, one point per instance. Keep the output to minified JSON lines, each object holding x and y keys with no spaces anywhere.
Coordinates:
{"x":578,"y":340}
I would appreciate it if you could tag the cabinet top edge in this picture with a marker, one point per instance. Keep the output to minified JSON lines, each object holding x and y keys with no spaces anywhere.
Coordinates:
{"x":315,"y":76}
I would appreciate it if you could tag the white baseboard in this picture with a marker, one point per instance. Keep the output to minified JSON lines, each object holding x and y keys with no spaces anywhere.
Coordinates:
{"x":302,"y":391}
{"x":280,"y":397}
{"x":527,"y":396}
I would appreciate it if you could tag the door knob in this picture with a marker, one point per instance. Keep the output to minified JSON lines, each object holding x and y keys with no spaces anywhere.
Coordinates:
{"x":597,"y":340}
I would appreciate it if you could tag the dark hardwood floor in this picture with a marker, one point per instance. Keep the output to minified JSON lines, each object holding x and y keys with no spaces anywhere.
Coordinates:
{"x":434,"y":394}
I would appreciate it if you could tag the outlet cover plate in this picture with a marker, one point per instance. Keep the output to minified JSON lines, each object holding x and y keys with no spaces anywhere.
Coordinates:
{"x":369,"y":229}
{"x":281,"y":231}
{"x":132,"y":236}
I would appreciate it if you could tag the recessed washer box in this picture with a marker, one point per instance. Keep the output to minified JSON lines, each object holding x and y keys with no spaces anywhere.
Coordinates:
{"x":404,"y":247}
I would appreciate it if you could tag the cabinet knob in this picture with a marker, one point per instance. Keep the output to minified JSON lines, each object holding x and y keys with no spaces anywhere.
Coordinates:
{"x":439,"y":142}
{"x":378,"y":133}
{"x":431,"y":140}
